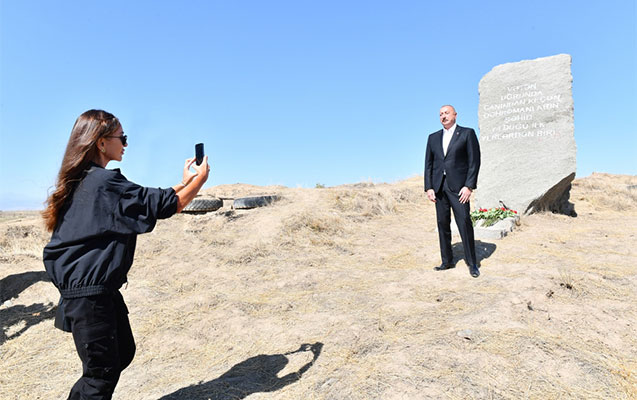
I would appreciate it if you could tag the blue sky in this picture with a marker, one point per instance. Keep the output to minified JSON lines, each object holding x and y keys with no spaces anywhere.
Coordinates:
{"x":293,"y":92}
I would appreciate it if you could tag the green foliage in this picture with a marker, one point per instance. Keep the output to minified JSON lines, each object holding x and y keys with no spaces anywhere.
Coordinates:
{"x":491,"y":216}
{"x":319,"y":186}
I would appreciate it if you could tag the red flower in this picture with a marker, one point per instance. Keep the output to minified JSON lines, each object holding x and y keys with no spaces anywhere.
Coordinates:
{"x":515,"y":212}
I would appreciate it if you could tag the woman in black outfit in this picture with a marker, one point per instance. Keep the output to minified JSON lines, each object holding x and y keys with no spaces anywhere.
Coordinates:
{"x":95,"y":215}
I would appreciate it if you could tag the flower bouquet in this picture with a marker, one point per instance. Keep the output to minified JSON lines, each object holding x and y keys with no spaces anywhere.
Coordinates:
{"x":491,"y":216}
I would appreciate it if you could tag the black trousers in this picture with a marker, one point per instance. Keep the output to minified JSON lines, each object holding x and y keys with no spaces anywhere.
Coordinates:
{"x":103,"y":340}
{"x":447,"y":200}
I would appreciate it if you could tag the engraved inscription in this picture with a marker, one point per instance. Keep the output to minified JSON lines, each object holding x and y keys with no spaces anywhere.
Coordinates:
{"x":516,"y":113}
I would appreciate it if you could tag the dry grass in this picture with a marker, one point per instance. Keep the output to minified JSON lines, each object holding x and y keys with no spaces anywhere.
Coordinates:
{"x":217,"y":300}
{"x":608,"y":192}
{"x":20,"y":239}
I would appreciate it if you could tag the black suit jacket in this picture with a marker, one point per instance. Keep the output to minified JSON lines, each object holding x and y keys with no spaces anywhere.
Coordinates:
{"x":461,"y":163}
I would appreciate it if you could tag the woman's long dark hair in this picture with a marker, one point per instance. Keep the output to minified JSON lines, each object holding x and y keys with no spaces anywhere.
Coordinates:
{"x":80,"y":151}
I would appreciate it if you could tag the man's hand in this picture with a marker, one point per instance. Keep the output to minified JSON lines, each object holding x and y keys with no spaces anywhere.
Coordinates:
{"x":465,"y":194}
{"x":431,"y":195}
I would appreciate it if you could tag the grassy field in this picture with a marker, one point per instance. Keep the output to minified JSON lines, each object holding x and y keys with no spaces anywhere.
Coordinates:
{"x":330,"y":294}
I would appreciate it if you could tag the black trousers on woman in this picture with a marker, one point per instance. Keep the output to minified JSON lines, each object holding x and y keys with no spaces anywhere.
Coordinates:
{"x":104,"y":342}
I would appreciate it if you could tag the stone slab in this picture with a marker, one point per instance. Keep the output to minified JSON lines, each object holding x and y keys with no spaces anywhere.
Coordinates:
{"x":527,"y":136}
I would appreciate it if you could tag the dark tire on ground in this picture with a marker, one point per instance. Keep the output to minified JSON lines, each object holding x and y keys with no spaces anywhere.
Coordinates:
{"x":255,"y":201}
{"x":203,"y":206}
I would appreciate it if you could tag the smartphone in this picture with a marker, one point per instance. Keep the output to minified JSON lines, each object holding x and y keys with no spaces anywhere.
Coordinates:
{"x":199,"y":153}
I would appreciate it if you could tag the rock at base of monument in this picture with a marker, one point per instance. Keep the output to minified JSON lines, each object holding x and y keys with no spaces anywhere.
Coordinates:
{"x":494,"y":232}
{"x":555,"y":199}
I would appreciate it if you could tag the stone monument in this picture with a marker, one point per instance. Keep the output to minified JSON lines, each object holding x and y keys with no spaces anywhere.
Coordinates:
{"x":527,"y":136}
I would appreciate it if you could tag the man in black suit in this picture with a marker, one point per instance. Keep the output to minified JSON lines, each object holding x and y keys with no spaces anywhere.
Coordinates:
{"x":452,"y":162}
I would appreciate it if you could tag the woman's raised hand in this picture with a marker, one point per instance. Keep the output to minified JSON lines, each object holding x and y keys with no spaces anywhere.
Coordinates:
{"x":188,"y":174}
{"x":185,"y":194}
{"x":202,"y":169}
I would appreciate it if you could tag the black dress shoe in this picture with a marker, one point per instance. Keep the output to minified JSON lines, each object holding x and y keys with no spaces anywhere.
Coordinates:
{"x":443,"y":267}
{"x":474,"y":271}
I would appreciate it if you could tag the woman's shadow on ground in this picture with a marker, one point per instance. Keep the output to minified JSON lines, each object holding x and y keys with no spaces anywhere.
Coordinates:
{"x":254,"y":375}
{"x":19,"y":318}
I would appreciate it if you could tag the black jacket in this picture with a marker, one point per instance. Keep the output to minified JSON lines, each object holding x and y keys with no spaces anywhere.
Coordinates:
{"x":92,"y":246}
{"x":461,"y":164}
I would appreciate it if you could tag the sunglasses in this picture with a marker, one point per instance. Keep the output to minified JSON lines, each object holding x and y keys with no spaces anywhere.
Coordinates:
{"x":122,"y":138}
